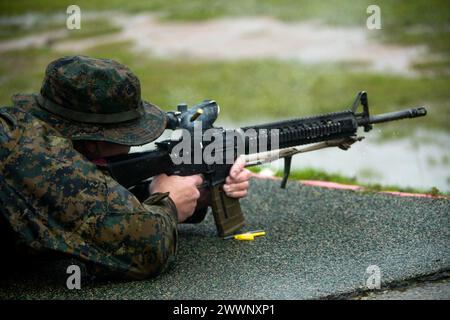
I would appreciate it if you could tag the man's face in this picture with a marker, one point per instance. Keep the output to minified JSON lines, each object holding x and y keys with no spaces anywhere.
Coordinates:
{"x":108,"y":149}
{"x":101,"y":149}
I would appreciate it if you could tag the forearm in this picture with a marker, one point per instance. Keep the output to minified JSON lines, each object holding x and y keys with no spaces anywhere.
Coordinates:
{"x":133,"y":239}
{"x":138,"y":243}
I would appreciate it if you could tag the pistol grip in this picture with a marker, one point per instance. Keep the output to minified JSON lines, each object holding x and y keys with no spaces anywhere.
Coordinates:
{"x":227,"y":212}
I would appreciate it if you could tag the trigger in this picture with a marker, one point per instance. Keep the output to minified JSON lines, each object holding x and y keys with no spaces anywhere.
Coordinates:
{"x":287,"y":170}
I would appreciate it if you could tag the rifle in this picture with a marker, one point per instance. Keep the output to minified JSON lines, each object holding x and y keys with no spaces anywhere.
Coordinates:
{"x":337,"y":129}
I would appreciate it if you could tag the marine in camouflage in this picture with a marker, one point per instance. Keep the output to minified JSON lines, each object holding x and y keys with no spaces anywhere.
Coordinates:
{"x":55,"y":200}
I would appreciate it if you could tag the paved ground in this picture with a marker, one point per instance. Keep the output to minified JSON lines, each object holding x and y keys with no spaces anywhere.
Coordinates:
{"x":319,"y":244}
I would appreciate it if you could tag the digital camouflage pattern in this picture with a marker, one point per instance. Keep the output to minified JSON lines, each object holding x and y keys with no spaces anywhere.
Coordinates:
{"x":56,"y":200}
{"x":86,"y":98}
{"x":91,"y":85}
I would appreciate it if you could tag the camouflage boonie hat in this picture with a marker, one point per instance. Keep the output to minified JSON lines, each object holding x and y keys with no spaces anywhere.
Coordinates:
{"x":95,"y":99}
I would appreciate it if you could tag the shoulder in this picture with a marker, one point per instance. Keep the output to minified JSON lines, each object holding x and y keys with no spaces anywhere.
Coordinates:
{"x":11,"y":129}
{"x":14,"y":119}
{"x":19,"y":127}
{"x":10,"y":116}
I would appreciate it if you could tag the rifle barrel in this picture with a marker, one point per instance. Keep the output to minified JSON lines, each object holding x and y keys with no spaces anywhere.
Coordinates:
{"x":397,"y":115}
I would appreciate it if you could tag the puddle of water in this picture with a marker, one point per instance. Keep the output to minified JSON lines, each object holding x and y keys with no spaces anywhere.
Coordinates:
{"x":396,"y":162}
{"x":402,"y":162}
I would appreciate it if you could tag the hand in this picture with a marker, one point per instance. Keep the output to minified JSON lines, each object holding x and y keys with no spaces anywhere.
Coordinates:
{"x":237,"y":183}
{"x":183,"y":192}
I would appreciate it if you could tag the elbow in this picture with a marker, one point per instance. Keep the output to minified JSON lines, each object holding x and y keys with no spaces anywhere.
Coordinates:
{"x":158,"y":255}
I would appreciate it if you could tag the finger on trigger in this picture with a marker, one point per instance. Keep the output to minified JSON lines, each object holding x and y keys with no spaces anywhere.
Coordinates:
{"x":237,"y":167}
{"x":242,"y":176}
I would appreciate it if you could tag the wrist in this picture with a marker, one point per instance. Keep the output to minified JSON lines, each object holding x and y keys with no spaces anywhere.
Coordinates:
{"x":163,"y":198}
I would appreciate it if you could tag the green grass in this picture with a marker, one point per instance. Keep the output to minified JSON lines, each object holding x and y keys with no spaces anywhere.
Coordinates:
{"x":89,"y":28}
{"x":255,"y":89}
{"x":437,"y":67}
{"x":418,"y":22}
{"x":316,"y":174}
{"x":92,"y":28}
{"x":250,"y":91}
{"x":14,"y":31}
{"x":397,"y":16}
{"x":341,"y":11}
{"x":395,"y":13}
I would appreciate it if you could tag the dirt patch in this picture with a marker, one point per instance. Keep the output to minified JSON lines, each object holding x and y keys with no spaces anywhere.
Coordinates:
{"x":244,"y":38}
{"x":266,"y":37}
{"x":33,"y":41}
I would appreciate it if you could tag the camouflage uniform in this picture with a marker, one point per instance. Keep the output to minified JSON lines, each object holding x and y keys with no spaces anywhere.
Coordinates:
{"x":54,"y":199}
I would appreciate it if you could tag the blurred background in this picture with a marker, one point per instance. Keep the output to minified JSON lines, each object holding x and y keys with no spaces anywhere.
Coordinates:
{"x":264,"y":60}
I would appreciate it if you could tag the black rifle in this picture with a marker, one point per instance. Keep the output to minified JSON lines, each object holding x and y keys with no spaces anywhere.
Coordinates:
{"x":337,"y":129}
